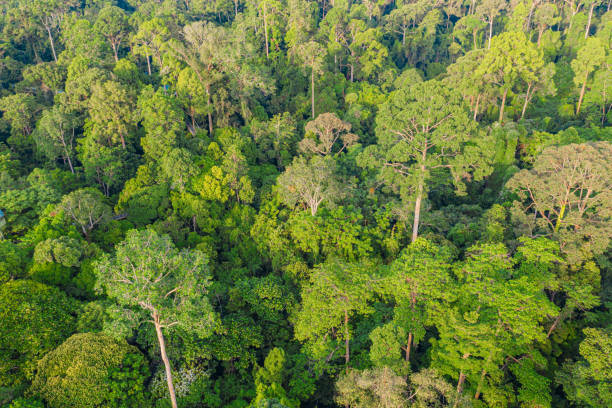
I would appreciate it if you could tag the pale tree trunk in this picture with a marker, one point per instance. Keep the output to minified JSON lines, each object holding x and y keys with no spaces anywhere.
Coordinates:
{"x":115,"y":52}
{"x":312,"y":90}
{"x":586,"y":77}
{"x":148,"y":64}
{"x":526,"y":100}
{"x":588,"y":27}
{"x":164,"y":356}
{"x":52,"y":42}
{"x":503,"y":105}
{"x":419,"y":198}
{"x":408,"y":346}
{"x":490,"y":32}
{"x":69,"y":161}
{"x":417,"y":211}
{"x":540,"y":32}
{"x":476,"y":108}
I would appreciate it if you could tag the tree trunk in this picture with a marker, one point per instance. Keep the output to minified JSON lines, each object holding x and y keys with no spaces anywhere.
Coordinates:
{"x":586,"y":77}
{"x":69,"y":161}
{"x":526,"y":100}
{"x":490,"y":32}
{"x":503,"y":105}
{"x":164,"y":356}
{"x":115,"y":52}
{"x":122,"y":140}
{"x":52,"y":43}
{"x":588,"y":27}
{"x":476,"y":108}
{"x":417,"y":210}
{"x":148,"y":64}
{"x":540,"y":32}
{"x":459,"y":387}
{"x":312,"y":101}
{"x":265,"y":28}
{"x":408,"y":346}
{"x":346,"y":341}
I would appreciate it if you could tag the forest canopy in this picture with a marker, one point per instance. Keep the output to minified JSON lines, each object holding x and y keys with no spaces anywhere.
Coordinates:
{"x":299,"y":203}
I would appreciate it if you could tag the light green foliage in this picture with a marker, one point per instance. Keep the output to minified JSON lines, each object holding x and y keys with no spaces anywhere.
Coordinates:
{"x":337,"y":291}
{"x":35,"y":319}
{"x":269,"y":381}
{"x":149,"y":273}
{"x":587,"y":381}
{"x":91,"y":370}
{"x":511,"y":62}
{"x":588,"y":59}
{"x":112,"y":24}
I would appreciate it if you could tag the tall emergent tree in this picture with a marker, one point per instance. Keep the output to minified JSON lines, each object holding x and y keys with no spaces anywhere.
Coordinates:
{"x":422,"y":129}
{"x":152,"y":280}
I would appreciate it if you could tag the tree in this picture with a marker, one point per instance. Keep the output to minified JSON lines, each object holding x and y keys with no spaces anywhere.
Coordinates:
{"x":91,"y":370}
{"x":419,"y":129}
{"x":86,"y":208}
{"x":312,"y":55}
{"x":336,"y":290}
{"x":417,"y":279}
{"x":375,"y":388}
{"x":588,"y":59}
{"x":148,"y":276}
{"x":327,"y":129}
{"x":511,"y":60}
{"x":544,"y":17}
{"x":111,"y":111}
{"x":567,"y":196}
{"x":310,"y":182}
{"x":36,"y":318}
{"x":149,"y":42}
{"x":497,"y":316}
{"x":488,"y":10}
{"x":112,"y":24}
{"x":55,"y":134}
{"x":586,"y":381}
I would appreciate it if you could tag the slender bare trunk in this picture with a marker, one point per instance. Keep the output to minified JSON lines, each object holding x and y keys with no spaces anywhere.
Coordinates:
{"x":586,"y":77}
{"x":69,"y":162}
{"x":417,"y":211}
{"x":476,"y":108}
{"x":540,"y":32}
{"x":52,"y":43}
{"x":148,"y":64}
{"x":503,"y":105}
{"x":588,"y":27}
{"x":526,"y":100}
{"x":490,"y":32}
{"x":408,"y":346}
{"x":115,"y":52}
{"x":459,"y":388}
{"x":164,"y":356}
{"x":312,"y":91}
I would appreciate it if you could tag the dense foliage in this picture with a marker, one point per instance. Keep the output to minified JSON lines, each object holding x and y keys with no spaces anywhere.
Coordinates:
{"x":298,"y":203}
